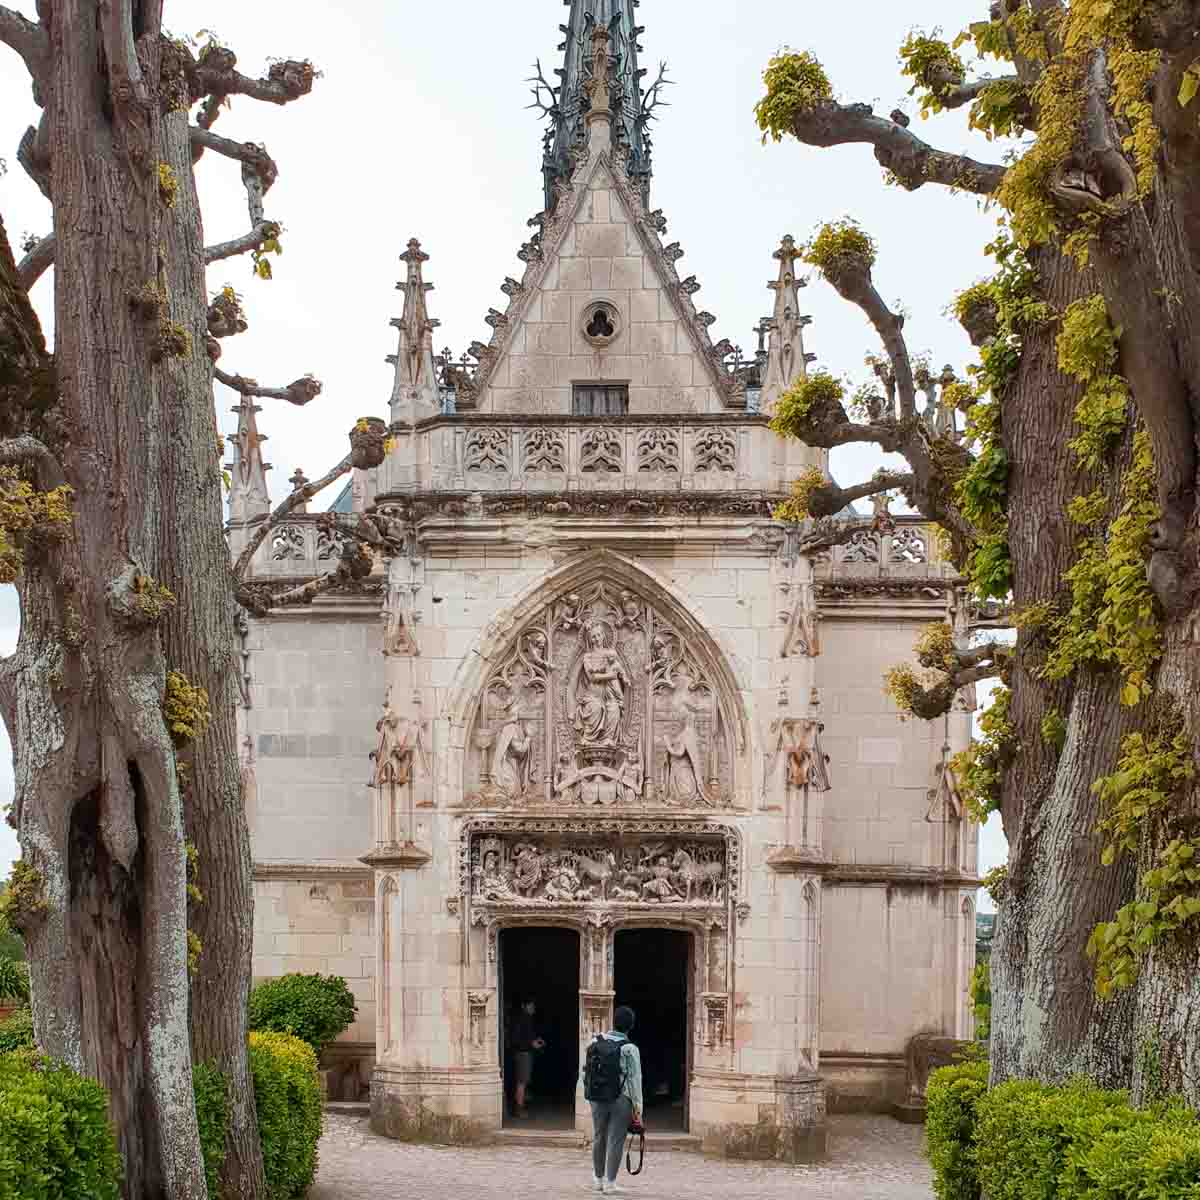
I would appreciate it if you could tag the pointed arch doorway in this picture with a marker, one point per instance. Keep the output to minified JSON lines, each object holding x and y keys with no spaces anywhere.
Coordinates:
{"x":653,"y":971}
{"x":541,"y":963}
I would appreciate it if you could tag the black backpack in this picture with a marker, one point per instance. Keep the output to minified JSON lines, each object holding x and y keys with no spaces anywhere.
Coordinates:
{"x":602,"y":1078}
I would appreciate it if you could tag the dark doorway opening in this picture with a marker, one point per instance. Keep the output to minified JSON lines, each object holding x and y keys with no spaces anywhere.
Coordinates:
{"x":542,"y":965}
{"x":652,"y":968}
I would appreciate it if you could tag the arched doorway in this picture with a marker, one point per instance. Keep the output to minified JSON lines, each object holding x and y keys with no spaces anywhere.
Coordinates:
{"x":541,"y":964}
{"x":652,"y":974}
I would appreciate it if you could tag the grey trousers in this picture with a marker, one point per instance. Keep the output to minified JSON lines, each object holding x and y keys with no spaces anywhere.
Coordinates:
{"x":610,"y":1127}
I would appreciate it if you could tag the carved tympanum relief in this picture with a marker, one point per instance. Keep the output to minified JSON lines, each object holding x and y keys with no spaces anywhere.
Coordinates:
{"x":655,"y":871}
{"x":600,"y":700}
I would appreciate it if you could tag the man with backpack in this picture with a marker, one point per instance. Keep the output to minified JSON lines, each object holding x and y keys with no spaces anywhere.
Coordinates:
{"x":612,"y":1083}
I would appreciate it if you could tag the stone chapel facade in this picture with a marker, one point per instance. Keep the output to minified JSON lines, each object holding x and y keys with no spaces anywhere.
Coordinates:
{"x":617,"y":700}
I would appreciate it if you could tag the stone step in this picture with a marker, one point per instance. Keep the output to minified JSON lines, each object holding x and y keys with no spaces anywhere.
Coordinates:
{"x":573,"y":1139}
{"x":347,"y":1108}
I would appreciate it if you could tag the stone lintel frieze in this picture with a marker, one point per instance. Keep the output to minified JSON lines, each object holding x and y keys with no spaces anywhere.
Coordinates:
{"x":296,"y":872}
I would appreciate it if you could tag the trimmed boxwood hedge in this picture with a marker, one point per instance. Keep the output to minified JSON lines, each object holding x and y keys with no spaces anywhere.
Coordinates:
{"x":287,"y":1096}
{"x":212,"y":1116}
{"x":56,"y":1142}
{"x":1029,"y":1141}
{"x":314,"y":1008}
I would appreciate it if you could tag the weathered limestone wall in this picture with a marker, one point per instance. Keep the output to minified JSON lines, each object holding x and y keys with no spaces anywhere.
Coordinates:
{"x":316,"y":683}
{"x":310,"y":922}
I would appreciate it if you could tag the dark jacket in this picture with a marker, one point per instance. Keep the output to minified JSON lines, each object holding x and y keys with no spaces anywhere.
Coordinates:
{"x":524,"y":1034}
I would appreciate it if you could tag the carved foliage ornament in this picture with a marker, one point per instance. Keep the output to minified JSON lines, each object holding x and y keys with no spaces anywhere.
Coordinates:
{"x":487,"y":450}
{"x":545,"y":450}
{"x":715,"y":450}
{"x":600,"y":700}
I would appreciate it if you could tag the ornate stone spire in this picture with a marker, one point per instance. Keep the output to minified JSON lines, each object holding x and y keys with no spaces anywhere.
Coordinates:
{"x":249,"y":496}
{"x":415,"y":394}
{"x":785,"y":355}
{"x":571,"y":98}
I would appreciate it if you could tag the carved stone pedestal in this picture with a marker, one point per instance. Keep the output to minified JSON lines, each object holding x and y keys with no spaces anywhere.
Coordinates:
{"x":779,"y":1118}
{"x":457,"y":1106}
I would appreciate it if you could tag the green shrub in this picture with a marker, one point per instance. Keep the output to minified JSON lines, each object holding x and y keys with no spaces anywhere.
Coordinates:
{"x":17,"y":1032}
{"x":314,"y":1008}
{"x":56,"y":1142}
{"x":287,"y":1096}
{"x":14,"y":980}
{"x":950,"y":1122}
{"x":212,"y":1115}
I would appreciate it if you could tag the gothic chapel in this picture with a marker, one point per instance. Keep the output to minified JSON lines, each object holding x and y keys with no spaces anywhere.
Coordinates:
{"x":595,"y":731}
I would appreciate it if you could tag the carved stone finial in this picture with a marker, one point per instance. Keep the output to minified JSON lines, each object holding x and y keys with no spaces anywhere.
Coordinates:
{"x":415,"y":394}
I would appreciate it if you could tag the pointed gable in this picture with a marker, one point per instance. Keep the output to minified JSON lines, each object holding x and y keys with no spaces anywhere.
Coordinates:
{"x":601,"y":248}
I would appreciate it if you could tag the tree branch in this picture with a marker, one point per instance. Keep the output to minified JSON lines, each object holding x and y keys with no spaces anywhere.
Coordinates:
{"x":125,"y":72}
{"x":215,"y":75}
{"x":958,"y":95}
{"x":912,"y":161}
{"x":33,"y":153}
{"x":249,"y":154}
{"x":356,"y":563}
{"x":299,"y":393}
{"x":34,"y":265}
{"x":28,"y":451}
{"x":29,"y":39}
{"x":300,"y":496}
{"x":263,"y":232}
{"x":826,"y":501}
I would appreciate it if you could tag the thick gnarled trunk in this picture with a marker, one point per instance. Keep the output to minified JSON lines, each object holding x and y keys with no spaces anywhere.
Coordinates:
{"x":98,"y":806}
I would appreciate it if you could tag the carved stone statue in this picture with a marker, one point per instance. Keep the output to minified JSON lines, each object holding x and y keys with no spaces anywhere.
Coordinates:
{"x":600,"y":699}
{"x":399,"y":740}
{"x":683,"y":772}
{"x":632,"y":778}
{"x":495,"y":885}
{"x":512,"y":760}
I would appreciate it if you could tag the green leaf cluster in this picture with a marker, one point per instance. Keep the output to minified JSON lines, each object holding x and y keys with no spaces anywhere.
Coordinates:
{"x":314,"y":1008}
{"x":56,"y":1140}
{"x":1113,"y":620}
{"x":806,"y":398}
{"x":934,"y":66}
{"x":979,"y":990}
{"x":796,"y":83}
{"x":14,"y":980}
{"x":980,"y":768}
{"x":1154,"y":768}
{"x":287,"y":1099}
{"x":185,"y":708}
{"x":1087,"y":351}
{"x":995,"y":883}
{"x":16,"y":1032}
{"x":840,"y":246}
{"x":795,"y":508}
{"x":1001,"y":110}
{"x":23,"y":898}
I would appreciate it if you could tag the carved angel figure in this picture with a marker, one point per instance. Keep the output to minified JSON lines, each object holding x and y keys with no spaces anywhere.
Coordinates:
{"x":683,"y":770}
{"x":512,"y":761}
{"x":600,"y":701}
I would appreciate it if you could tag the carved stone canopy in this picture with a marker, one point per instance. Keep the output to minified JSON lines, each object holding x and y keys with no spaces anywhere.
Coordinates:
{"x":603,"y":700}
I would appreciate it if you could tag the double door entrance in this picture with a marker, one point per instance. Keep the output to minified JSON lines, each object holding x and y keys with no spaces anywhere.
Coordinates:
{"x":652,"y":974}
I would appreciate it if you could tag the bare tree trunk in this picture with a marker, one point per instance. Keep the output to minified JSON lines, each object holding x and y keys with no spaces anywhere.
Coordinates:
{"x":200,"y":641}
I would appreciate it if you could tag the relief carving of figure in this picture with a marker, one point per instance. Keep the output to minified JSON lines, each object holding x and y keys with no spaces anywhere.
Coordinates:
{"x":399,"y":740}
{"x":566,"y":784}
{"x":600,"y":703}
{"x":659,"y":885}
{"x":633,"y":780}
{"x":683,"y":772}
{"x":513,"y":759}
{"x":495,"y":885}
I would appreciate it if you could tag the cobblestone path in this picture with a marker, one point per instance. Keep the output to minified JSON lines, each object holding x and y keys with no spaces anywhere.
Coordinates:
{"x":871,"y":1158}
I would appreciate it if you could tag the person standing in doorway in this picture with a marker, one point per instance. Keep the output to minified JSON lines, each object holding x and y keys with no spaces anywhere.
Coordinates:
{"x":612,"y":1084}
{"x":525,"y":1044}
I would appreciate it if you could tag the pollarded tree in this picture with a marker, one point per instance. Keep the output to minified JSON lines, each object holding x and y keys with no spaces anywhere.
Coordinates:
{"x":1069,"y":500}
{"x":111,"y":526}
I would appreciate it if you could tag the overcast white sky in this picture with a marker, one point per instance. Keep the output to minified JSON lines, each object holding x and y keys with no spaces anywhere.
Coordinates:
{"x":418,"y":128}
